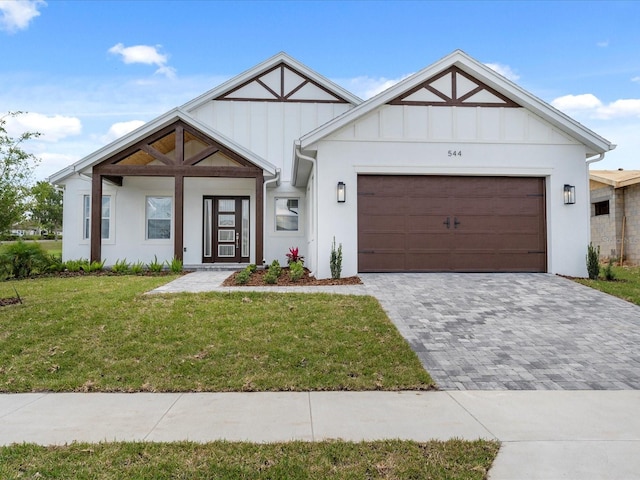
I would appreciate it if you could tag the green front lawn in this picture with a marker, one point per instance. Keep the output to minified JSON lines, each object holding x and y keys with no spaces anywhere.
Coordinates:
{"x":395,"y":459}
{"x":103,"y":334}
{"x":53,"y":247}
{"x":626,"y":284}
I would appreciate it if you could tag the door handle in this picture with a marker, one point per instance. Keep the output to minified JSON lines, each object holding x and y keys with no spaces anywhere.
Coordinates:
{"x":237,"y":240}
{"x":447,"y":222}
{"x":456,"y":222}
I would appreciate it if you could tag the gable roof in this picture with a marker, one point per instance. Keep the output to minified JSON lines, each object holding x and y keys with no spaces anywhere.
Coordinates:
{"x":488,"y":83}
{"x":616,"y":178}
{"x":279,"y":78}
{"x":147,"y":129}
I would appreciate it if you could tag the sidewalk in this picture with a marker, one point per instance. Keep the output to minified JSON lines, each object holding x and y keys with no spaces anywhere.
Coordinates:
{"x":544,"y":434}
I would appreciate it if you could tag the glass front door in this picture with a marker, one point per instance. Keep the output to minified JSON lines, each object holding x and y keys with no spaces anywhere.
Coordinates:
{"x":226,"y":230}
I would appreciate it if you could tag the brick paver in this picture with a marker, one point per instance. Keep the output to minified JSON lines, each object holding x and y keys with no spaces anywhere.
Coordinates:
{"x":513,"y":331}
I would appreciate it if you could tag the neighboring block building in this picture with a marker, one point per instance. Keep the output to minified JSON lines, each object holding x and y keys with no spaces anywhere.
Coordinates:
{"x":615,"y":213}
{"x":455,"y":168}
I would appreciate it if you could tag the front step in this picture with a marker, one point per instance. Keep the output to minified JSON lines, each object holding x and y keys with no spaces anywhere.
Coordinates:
{"x":215,"y":267}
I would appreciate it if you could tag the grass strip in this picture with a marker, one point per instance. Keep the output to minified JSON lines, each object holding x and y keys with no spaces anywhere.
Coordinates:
{"x":453,"y":459}
{"x":102,"y":334}
{"x":626,"y":284}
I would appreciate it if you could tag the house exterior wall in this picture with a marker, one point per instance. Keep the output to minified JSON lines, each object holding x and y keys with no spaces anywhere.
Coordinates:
{"x":416,"y":141}
{"x":128,"y":204}
{"x":604,"y":228}
{"x":268,"y":128}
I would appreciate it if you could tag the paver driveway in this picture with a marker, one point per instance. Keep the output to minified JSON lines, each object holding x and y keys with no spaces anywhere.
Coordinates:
{"x":513,"y":331}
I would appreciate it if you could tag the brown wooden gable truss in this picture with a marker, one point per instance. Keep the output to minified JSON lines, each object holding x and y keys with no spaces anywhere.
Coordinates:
{"x":454,"y":96}
{"x":167,"y":145}
{"x":283,"y":92}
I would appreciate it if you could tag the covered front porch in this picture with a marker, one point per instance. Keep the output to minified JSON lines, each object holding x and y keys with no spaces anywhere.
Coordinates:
{"x":181,"y":191}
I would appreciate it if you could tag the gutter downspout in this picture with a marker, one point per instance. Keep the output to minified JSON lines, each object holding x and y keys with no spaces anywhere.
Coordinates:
{"x":589,"y":162}
{"x":275,"y":179}
{"x":314,"y":171}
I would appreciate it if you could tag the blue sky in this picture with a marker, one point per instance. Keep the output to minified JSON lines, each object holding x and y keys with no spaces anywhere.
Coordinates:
{"x":89,"y":71}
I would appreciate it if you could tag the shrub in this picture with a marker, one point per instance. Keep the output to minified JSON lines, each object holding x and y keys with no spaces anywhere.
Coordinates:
{"x":137,"y":268}
{"x":296,"y":271}
{"x":21,"y":259}
{"x":242,"y":276}
{"x":96,"y":266}
{"x":335,"y":262}
{"x":273,"y":273}
{"x":294,"y":256}
{"x":74,"y":265}
{"x":593,"y":261}
{"x":176,"y":265}
{"x":121,"y":266}
{"x":155,"y":266}
{"x":609,"y":274}
{"x":56,"y":265}
{"x":270,"y":277}
{"x":253,"y":268}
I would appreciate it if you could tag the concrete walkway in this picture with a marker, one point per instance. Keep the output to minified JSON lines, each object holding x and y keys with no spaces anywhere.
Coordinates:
{"x":544,"y":434}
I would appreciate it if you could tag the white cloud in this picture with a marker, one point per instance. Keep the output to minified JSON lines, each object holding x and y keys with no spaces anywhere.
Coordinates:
{"x":367,"y":87}
{"x":628,"y":107}
{"x":52,"y":128}
{"x":603,"y":44}
{"x":16,"y":14}
{"x":585,"y":101}
{"x":636,"y":79}
{"x":590,"y":106}
{"x":504,"y":70}
{"x":146,"y":55}
{"x":119,"y":129}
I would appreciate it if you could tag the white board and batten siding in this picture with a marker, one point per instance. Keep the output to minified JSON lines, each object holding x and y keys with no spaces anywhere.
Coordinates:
{"x":268,"y":128}
{"x":460,"y":141}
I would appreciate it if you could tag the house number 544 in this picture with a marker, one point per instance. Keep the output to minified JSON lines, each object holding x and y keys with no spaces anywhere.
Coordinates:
{"x":454,"y":153}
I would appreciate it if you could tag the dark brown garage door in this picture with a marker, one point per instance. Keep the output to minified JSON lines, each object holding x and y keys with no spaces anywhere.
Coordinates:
{"x":458,"y":224}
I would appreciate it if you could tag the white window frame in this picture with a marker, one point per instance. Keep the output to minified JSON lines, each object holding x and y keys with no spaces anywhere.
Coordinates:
{"x":86,"y":217}
{"x":297,"y":216}
{"x":147,"y":218}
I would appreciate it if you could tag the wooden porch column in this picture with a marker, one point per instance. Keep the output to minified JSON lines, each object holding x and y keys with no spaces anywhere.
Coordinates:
{"x":259,"y":218}
{"x":178,"y":242}
{"x":96,"y":218}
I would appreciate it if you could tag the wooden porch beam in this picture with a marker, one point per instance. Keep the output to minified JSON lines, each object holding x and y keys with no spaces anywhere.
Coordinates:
{"x":184,"y":170}
{"x":157,"y":154}
{"x":178,"y":241}
{"x":115,"y":180}
{"x":96,"y":218}
{"x":198,"y":157}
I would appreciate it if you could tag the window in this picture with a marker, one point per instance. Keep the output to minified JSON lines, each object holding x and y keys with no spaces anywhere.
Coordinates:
{"x":286,"y":214}
{"x":601,"y":208}
{"x":105,"y":220}
{"x":158,"y":218}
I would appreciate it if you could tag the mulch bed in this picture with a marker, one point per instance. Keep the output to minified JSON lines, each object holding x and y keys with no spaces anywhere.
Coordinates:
{"x":256,"y":280}
{"x":9,"y":301}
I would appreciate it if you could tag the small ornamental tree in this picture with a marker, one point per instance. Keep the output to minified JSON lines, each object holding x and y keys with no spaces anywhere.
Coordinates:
{"x":16,"y":168}
{"x":46,"y":206}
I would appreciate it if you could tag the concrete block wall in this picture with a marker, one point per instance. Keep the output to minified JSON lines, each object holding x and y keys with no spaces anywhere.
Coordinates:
{"x":604,"y":231}
{"x":632,"y":227}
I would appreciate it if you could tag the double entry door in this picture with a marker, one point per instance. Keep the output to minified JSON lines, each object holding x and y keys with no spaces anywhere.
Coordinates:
{"x":225,"y":229}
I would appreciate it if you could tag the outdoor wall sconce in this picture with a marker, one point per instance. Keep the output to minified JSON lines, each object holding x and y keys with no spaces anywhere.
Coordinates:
{"x":569,"y":194}
{"x":342,"y":192}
